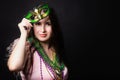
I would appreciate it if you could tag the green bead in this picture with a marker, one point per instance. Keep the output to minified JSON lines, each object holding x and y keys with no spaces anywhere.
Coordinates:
{"x":54,"y":64}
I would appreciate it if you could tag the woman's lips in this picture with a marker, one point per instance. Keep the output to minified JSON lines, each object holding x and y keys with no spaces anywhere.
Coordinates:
{"x":43,"y":35}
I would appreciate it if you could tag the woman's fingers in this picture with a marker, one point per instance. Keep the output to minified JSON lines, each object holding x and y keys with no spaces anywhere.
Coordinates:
{"x":25,"y":26}
{"x":26,"y":22}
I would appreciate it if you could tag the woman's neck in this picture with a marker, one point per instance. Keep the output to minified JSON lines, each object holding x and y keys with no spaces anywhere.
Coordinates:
{"x":44,"y":45}
{"x":48,"y":51}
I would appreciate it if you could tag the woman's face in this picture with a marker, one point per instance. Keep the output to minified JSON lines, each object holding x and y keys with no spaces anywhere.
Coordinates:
{"x":43,"y":29}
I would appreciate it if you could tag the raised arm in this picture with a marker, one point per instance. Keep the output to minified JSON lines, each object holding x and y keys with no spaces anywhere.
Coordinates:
{"x":18,"y":56}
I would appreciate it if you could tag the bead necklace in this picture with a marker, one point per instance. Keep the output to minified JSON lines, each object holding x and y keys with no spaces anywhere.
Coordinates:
{"x":41,"y":69}
{"x":45,"y":65}
{"x":57,"y":67}
{"x":50,"y":69}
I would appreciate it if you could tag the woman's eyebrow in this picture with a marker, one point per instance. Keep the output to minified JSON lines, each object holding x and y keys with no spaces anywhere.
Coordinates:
{"x":48,"y":20}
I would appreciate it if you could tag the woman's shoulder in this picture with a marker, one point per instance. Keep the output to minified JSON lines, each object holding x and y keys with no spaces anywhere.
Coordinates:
{"x":65,"y":73}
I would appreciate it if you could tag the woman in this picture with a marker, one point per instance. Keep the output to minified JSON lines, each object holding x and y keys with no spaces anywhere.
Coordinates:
{"x":38,"y":53}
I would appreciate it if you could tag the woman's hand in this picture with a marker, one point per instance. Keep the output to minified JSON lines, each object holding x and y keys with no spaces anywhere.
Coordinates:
{"x":25,"y":27}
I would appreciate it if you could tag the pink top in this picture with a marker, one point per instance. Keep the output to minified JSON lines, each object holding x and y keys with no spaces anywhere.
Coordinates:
{"x":46,"y":73}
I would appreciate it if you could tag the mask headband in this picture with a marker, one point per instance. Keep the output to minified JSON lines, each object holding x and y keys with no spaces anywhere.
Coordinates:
{"x":38,"y":13}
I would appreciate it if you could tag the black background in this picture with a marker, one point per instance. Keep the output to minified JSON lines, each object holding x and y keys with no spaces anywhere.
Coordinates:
{"x":87,"y":31}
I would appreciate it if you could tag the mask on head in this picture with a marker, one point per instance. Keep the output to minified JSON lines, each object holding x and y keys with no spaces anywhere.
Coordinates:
{"x":38,"y":13}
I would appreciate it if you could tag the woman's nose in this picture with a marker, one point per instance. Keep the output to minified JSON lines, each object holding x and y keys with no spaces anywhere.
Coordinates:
{"x":43,"y":28}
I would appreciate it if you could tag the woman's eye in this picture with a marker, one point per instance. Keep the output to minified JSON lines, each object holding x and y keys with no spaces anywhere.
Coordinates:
{"x":38,"y":23}
{"x":48,"y":23}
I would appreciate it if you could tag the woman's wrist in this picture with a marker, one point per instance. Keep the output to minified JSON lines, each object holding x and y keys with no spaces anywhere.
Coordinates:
{"x":23,"y":36}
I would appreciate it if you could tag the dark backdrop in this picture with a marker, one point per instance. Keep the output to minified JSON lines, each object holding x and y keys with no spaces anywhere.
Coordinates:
{"x":87,"y":31}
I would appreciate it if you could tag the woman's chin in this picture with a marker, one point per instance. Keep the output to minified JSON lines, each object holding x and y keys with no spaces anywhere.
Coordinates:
{"x":43,"y":40}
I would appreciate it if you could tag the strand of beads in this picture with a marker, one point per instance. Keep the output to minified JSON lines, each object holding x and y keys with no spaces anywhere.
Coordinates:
{"x":41,"y":69}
